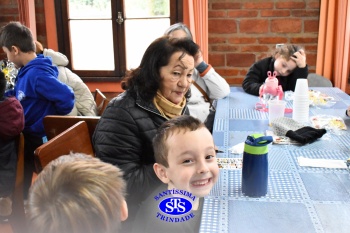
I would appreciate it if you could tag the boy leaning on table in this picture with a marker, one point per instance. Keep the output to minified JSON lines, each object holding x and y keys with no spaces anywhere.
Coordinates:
{"x":186,"y":163}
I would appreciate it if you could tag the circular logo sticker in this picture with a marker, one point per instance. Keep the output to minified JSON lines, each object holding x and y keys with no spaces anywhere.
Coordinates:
{"x":175,"y":206}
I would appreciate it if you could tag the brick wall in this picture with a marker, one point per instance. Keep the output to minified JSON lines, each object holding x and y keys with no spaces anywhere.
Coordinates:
{"x":242,"y":32}
{"x":9,"y":12}
{"x":40,"y":22}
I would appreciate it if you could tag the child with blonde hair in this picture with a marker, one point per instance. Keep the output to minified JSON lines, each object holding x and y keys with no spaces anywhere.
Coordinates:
{"x":77,"y":193}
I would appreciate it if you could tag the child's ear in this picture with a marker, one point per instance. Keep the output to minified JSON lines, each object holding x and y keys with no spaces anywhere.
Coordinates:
{"x":124,"y":211}
{"x":160,"y":171}
{"x":15,"y":49}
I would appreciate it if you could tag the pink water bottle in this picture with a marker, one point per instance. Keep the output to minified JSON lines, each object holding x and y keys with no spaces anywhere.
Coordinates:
{"x":271,"y":89}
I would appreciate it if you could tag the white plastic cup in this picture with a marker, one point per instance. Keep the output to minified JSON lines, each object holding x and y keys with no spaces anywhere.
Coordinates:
{"x":302,"y":101}
{"x":301,"y":97}
{"x":301,"y":88}
{"x":300,"y":111}
{"x":276,"y":109}
{"x":301,"y":104}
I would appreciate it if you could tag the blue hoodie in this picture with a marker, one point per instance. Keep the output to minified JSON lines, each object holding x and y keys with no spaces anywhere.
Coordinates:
{"x":41,"y":94}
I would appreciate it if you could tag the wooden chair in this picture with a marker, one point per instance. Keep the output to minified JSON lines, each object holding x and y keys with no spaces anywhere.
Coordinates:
{"x":17,"y":218}
{"x":54,"y":124}
{"x":101,"y":102}
{"x":75,"y":139}
{"x":104,"y":106}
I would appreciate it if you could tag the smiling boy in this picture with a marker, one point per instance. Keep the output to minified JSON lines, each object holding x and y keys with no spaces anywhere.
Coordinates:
{"x":185,"y":156}
{"x":186,"y":163}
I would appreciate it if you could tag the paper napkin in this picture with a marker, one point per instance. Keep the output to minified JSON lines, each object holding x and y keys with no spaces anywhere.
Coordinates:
{"x":326,"y":163}
{"x":237,"y":149}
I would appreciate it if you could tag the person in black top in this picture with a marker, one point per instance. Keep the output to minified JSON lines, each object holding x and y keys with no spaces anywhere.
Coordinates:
{"x":289,"y":62}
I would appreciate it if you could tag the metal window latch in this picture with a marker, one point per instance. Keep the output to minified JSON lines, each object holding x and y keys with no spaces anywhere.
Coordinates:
{"x":120,"y":18}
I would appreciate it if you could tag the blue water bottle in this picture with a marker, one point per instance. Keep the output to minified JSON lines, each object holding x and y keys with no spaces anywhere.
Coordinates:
{"x":255,"y":165}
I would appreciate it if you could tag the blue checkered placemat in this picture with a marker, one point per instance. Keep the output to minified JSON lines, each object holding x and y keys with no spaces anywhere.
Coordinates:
{"x":299,"y":199}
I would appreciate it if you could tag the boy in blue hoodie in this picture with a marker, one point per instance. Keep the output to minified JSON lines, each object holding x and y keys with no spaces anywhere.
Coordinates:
{"x":36,"y":87}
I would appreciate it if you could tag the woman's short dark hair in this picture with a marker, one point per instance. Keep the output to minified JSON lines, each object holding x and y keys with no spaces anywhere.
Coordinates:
{"x":145,"y":80}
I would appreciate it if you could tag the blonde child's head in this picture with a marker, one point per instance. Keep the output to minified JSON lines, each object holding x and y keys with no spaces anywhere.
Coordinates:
{"x":77,"y":194}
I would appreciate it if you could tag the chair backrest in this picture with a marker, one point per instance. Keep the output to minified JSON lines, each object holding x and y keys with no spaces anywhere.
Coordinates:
{"x":316,"y":80}
{"x":103,"y":107}
{"x":54,"y":124}
{"x":17,"y":218}
{"x":101,"y":102}
{"x":75,"y":139}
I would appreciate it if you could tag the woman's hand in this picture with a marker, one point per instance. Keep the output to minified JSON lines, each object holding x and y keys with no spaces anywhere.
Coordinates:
{"x":300,"y":58}
{"x":198,"y":58}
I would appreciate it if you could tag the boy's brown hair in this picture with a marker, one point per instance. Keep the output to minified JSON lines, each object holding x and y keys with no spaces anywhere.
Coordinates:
{"x":183,"y":123}
{"x":16,"y":34}
{"x":76,"y":194}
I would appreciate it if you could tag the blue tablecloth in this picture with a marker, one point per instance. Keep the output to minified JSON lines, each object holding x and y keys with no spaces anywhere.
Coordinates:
{"x":299,"y":199}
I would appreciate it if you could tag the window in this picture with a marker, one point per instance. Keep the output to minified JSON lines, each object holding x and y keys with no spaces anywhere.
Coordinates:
{"x":103,"y":38}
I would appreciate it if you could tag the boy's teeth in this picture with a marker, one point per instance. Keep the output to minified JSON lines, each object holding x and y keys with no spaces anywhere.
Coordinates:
{"x":201,"y":182}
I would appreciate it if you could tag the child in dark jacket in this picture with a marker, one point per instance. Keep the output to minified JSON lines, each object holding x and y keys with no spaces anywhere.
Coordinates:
{"x":289,"y":62}
{"x":11,"y":125}
{"x":36,"y":87}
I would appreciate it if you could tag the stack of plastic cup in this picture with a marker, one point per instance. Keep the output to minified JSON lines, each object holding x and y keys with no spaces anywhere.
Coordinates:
{"x":301,"y":101}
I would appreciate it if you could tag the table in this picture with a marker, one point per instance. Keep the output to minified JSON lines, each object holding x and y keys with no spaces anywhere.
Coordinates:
{"x":299,"y":199}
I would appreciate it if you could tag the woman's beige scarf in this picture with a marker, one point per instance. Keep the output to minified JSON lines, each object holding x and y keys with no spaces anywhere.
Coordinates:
{"x":168,"y":109}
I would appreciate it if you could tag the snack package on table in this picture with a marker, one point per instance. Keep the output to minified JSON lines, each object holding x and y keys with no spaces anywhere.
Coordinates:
{"x":328,"y":122}
{"x":321,"y":100}
{"x":230,"y":163}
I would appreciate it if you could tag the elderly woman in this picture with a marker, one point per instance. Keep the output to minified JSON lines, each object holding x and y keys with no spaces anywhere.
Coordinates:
{"x":155,"y":92}
{"x":208,"y":85}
